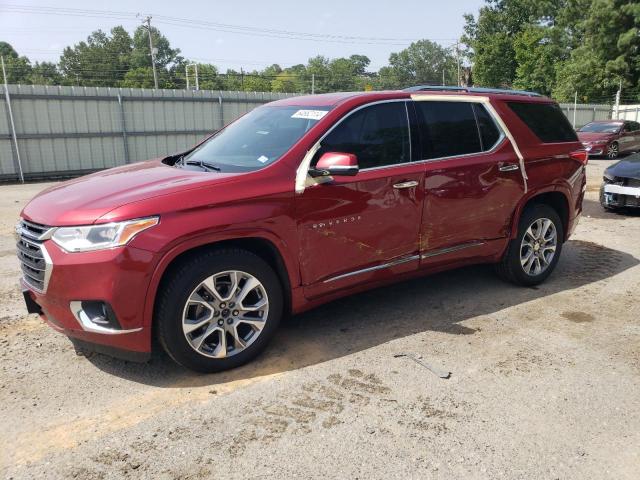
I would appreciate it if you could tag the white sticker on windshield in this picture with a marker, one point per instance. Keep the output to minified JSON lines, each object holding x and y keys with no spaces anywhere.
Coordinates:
{"x":263,"y":159}
{"x":310,"y":114}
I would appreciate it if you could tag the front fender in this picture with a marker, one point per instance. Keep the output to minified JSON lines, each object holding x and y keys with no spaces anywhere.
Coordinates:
{"x":282,"y":247}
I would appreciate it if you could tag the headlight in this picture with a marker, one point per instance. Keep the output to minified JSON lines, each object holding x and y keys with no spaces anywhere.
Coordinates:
{"x":608,"y":178}
{"x":97,"y":237}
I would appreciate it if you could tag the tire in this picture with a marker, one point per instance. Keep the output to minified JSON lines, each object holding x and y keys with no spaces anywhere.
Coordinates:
{"x":187,"y":300}
{"x":511,"y":267}
{"x":613,"y":150}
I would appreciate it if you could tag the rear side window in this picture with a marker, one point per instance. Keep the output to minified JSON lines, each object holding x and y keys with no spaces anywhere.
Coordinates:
{"x":489,"y":133}
{"x":545,"y":120}
{"x":447,"y":129}
{"x":378,"y":135}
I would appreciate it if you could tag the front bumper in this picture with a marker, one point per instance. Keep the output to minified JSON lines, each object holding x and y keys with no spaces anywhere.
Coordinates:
{"x":619,"y":196}
{"x":595,"y":149}
{"x":119,"y":277}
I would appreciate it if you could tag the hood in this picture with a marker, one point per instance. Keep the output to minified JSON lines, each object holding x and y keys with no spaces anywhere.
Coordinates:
{"x":84,"y":200}
{"x":593,"y":136}
{"x":627,"y":168}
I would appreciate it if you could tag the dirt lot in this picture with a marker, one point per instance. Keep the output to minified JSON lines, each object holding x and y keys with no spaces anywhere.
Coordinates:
{"x":545,"y":382}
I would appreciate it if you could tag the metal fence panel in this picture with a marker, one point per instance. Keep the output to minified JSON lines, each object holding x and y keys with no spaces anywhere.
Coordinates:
{"x":586,"y":112}
{"x":628,"y":112}
{"x":66,"y":130}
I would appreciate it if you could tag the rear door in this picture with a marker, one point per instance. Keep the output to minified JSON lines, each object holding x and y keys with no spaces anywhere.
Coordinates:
{"x":361,"y":228}
{"x":627,"y":140}
{"x":635,"y":131}
{"x":472,"y":180}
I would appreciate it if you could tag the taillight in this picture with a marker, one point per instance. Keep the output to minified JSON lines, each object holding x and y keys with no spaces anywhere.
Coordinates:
{"x":581,"y":155}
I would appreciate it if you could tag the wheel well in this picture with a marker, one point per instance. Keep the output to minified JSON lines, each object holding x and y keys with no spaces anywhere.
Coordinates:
{"x":557,"y":201}
{"x":258,"y":246}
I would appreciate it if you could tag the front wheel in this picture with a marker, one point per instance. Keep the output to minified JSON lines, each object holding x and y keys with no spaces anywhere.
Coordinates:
{"x":613,"y":150}
{"x":533,"y":254}
{"x":218,"y":310}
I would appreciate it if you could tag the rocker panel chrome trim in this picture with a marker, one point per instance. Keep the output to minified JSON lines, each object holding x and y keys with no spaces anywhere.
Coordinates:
{"x":455,"y":248}
{"x":399,"y":261}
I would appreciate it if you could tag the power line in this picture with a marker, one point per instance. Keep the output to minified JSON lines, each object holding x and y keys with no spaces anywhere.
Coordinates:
{"x":207,"y":25}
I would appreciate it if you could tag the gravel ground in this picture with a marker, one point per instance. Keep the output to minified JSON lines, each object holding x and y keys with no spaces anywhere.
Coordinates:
{"x":544,"y":384}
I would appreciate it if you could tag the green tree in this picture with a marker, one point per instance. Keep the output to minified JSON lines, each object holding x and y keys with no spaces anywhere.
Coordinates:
{"x":422,"y":62}
{"x":141,"y":54}
{"x":537,"y":52}
{"x":101,"y":60}
{"x":141,"y":77}
{"x":607,"y":54}
{"x":45,"y":73}
{"x":491,"y":37}
{"x":18,"y":68}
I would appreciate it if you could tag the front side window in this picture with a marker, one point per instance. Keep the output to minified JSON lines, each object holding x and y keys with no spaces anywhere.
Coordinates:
{"x":257,"y":139}
{"x":448,"y":129}
{"x":378,"y":135}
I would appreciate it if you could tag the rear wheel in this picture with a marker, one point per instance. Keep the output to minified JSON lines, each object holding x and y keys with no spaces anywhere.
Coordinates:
{"x":533,"y":254}
{"x":218,"y":310}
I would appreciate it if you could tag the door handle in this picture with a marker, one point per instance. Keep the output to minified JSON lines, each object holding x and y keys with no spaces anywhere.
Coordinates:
{"x":508,"y":167}
{"x":408,"y":184}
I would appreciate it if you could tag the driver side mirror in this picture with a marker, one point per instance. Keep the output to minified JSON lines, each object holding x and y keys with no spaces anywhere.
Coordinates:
{"x":335,"y":163}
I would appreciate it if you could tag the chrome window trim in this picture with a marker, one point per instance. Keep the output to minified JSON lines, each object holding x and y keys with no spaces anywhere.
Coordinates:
{"x":382,"y":266}
{"x":495,"y":146}
{"x":301,"y":183}
{"x":437,"y":159}
{"x":406,"y":110}
{"x":357,"y":109}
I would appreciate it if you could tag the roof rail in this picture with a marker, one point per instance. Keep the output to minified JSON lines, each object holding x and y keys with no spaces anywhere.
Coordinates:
{"x":444,"y":88}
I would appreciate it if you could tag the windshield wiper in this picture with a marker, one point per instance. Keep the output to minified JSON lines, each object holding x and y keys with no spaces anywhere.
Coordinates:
{"x":202,"y":164}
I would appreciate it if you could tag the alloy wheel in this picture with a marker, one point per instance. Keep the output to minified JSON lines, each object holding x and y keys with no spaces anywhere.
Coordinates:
{"x":538,"y":246}
{"x":612,"y":151}
{"x":225,"y":314}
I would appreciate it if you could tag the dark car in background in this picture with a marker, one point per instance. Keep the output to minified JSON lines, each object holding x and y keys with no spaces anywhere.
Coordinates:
{"x":610,"y":137}
{"x":621,"y":184}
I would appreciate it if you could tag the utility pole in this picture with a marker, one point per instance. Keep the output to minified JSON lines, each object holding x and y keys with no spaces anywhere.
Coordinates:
{"x":313,"y":83}
{"x":618,"y":95}
{"x":575,"y":106}
{"x":146,"y":23}
{"x":13,"y":125}
{"x":458,"y":60}
{"x":443,"y":84}
{"x":186,"y":73}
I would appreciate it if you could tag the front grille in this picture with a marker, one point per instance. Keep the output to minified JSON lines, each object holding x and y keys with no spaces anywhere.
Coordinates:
{"x":34,"y":260}
{"x":629,"y":201}
{"x":633,"y":182}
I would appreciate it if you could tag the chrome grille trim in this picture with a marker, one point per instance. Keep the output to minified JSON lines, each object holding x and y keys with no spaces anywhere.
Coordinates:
{"x":34,"y":231}
{"x":35,"y":262}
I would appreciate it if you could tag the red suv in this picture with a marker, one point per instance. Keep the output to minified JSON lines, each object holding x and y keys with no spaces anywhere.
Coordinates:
{"x":610,"y":137}
{"x":297,"y":203}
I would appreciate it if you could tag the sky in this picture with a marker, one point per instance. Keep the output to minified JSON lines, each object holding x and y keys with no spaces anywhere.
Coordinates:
{"x":251,"y":36}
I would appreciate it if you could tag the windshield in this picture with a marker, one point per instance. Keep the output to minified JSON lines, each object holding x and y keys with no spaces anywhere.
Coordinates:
{"x":257,"y":139}
{"x":601,"y":127}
